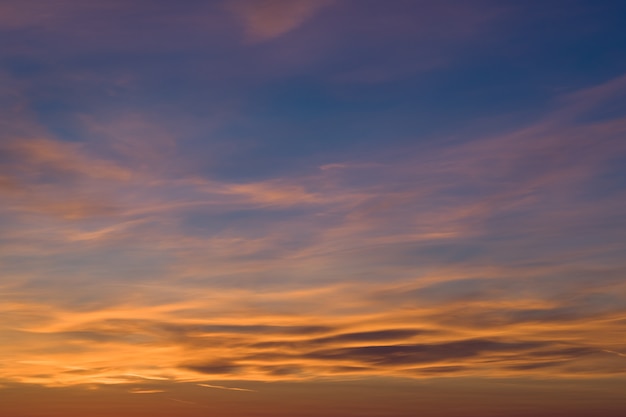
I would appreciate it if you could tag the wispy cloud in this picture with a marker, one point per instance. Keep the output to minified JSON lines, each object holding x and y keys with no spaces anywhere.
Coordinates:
{"x":267,"y":19}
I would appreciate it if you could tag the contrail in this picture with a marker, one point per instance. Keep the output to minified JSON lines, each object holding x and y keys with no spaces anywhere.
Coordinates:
{"x":228,"y":388}
{"x":617,"y":353}
{"x":181,"y":401}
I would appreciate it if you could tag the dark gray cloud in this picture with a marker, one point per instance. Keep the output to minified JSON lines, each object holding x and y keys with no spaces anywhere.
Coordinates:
{"x":185,"y":329}
{"x":115,"y":326}
{"x":419,"y":359}
{"x":394,"y":355}
{"x":281,"y":370}
{"x":535,"y":365}
{"x":440,"y":370}
{"x":343,"y":338}
{"x":215,"y":368}
{"x":378,"y":335}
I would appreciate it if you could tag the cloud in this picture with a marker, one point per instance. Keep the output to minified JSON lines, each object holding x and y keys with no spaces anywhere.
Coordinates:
{"x":45,"y":175}
{"x":246,"y":352}
{"x":216,"y":368}
{"x":145,"y":391}
{"x":393,"y":355}
{"x":492,"y":256}
{"x":369,"y":336}
{"x":267,"y":19}
{"x":345,"y":338}
{"x":245,"y":329}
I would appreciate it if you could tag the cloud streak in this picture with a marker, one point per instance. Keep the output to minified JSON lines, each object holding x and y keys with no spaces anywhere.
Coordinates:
{"x":226,"y":388}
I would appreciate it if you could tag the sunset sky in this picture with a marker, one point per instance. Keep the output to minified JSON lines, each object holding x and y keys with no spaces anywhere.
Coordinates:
{"x":307,"y":208}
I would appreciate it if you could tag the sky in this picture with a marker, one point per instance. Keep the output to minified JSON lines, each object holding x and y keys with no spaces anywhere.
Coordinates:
{"x":312,"y":208}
